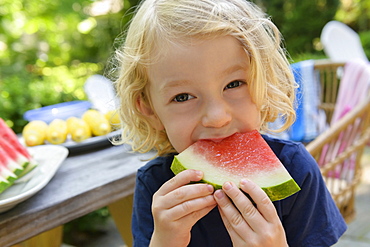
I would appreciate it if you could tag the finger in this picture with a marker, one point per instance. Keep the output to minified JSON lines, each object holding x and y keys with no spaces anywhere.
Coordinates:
{"x":233,"y":234}
{"x":250,"y":231}
{"x":188,"y":192}
{"x":232,"y":217}
{"x":247,"y":210}
{"x":263,"y":202}
{"x":193,"y":209}
{"x":189,"y":220}
{"x":179,"y":180}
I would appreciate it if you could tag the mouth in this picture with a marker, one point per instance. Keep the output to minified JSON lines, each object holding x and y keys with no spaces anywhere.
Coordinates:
{"x":217,"y":138}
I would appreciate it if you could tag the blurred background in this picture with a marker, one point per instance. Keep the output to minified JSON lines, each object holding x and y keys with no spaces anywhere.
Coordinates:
{"x":49,"y":48}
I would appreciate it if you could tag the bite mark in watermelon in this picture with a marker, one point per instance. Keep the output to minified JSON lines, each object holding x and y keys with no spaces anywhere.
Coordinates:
{"x":242,"y":155}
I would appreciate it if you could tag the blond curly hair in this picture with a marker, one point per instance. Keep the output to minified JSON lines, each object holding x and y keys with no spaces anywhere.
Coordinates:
{"x":157,"y":22}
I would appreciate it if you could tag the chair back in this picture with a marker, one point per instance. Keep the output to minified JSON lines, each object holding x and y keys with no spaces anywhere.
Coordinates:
{"x":341,"y":43}
{"x":329,"y":74}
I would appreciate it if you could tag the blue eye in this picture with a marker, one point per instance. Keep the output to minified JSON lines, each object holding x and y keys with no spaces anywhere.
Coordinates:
{"x":182,"y":97}
{"x":234,"y":84}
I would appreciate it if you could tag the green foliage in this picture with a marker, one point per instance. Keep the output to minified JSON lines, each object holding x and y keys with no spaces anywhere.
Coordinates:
{"x":300,"y":22}
{"x":307,"y":56}
{"x":365,"y":40}
{"x":355,"y":13}
{"x":24,"y":91}
{"x":49,"y":48}
{"x":77,"y":231}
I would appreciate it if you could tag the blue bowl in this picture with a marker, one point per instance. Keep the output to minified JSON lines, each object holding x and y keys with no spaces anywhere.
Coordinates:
{"x":60,"y":111}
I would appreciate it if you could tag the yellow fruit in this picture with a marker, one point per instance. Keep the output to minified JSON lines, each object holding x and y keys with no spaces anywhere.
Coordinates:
{"x":99,"y":125}
{"x":113,"y":118}
{"x":56,"y":132}
{"x":78,"y":129}
{"x":34,"y":133}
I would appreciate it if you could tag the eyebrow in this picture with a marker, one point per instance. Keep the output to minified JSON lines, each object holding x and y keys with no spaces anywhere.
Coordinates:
{"x":178,"y":83}
{"x":234,"y":68}
{"x":173,"y":84}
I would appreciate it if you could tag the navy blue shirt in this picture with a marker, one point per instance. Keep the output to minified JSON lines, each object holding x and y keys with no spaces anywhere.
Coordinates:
{"x":309,"y":217}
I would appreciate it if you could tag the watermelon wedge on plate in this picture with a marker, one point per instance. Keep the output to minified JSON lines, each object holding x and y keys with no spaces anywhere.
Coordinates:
{"x":9,"y":135}
{"x":242,"y":155}
{"x":15,"y":160}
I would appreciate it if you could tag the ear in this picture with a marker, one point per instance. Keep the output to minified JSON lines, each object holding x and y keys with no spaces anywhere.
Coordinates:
{"x":148,"y":112}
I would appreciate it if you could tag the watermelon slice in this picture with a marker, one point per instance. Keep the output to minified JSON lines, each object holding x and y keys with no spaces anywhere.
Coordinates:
{"x":15,"y":161}
{"x":8,"y":134}
{"x":239,"y":156}
{"x":4,"y":183}
{"x":13,"y":153}
{"x":9,"y":163}
{"x":6,"y":179}
{"x":9,"y":171}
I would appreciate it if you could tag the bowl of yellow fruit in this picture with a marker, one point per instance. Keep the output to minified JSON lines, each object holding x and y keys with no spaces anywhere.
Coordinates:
{"x":76,"y":130}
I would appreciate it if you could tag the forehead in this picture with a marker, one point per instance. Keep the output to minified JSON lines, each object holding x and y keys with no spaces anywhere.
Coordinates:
{"x":186,"y":56}
{"x":161,"y":43}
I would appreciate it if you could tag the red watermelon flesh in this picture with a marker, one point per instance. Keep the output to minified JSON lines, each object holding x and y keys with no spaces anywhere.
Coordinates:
{"x":242,"y":155}
{"x":9,"y":163}
{"x":13,"y":153}
{"x":15,"y":161}
{"x":8,"y":134}
{"x":6,"y":178}
{"x":8,"y":169}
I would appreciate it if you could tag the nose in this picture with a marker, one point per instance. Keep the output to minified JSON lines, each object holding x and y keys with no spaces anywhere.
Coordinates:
{"x":216,"y":114}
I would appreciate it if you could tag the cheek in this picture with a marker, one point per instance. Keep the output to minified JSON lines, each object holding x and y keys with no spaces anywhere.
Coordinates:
{"x":179,"y":131}
{"x":255,"y":116}
{"x":178,"y":139}
{"x":249,"y":114}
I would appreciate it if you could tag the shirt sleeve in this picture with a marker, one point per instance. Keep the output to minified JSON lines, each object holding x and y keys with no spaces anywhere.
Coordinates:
{"x":310,"y":217}
{"x":142,"y":221}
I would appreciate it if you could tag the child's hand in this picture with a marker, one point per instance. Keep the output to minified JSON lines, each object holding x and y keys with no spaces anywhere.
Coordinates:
{"x":249,"y":225}
{"x":177,"y":206}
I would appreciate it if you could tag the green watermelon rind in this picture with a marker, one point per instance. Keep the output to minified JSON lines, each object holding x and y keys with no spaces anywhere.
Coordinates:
{"x":15,"y":168}
{"x":19,"y":166}
{"x":275,"y":193}
{"x":4,"y":184}
{"x":30,"y":166}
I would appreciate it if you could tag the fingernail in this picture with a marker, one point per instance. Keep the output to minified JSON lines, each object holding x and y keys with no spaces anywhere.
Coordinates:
{"x":244,"y":181}
{"x":210,"y":188}
{"x":227,"y":186}
{"x":199,"y":173}
{"x":219,"y":194}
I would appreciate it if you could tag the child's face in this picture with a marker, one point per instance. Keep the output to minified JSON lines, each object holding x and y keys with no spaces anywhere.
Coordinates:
{"x":200,"y":91}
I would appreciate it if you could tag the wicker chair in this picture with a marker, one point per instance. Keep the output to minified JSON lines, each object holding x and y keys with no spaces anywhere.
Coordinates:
{"x":338,"y":150}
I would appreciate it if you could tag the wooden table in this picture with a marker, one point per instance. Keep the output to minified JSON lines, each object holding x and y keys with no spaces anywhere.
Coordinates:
{"x":82,"y":184}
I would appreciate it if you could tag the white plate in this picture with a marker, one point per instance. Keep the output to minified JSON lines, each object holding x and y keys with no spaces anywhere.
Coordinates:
{"x":48,"y":158}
